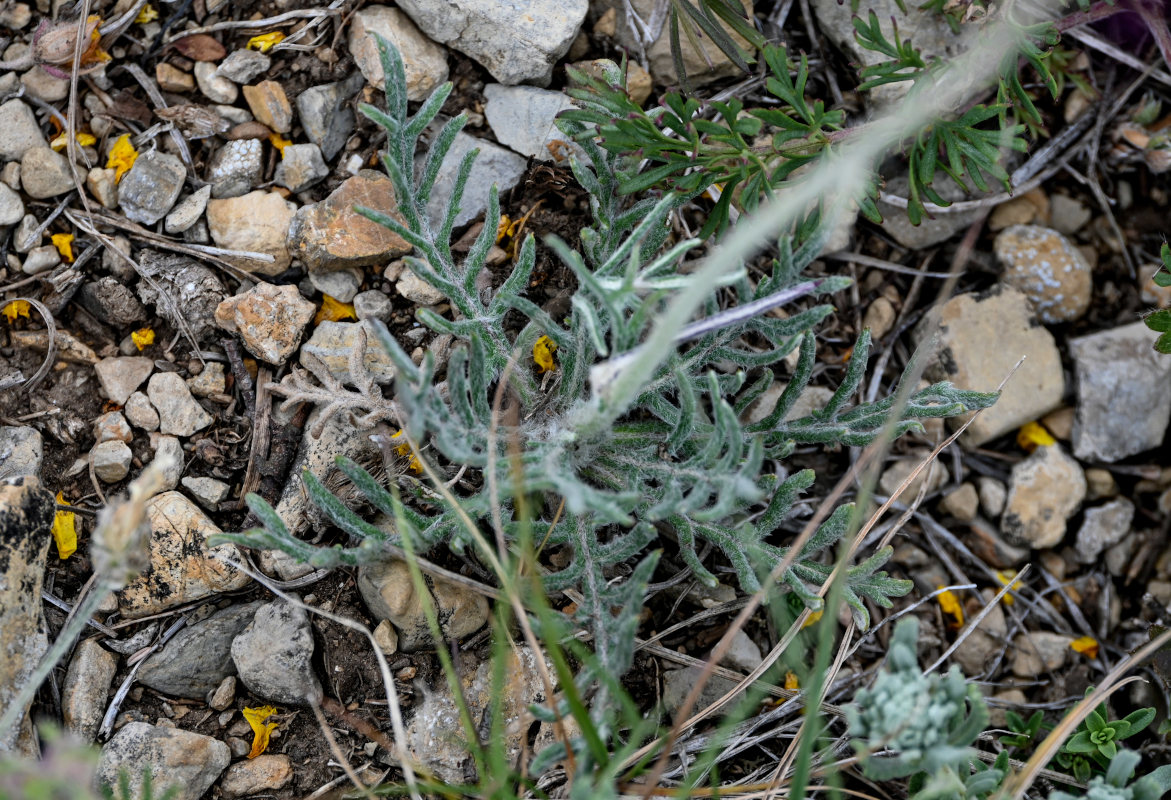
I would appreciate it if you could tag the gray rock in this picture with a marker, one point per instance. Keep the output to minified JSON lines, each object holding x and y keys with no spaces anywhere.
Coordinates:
{"x":678,"y":683}
{"x":744,"y":654}
{"x":327,"y":119}
{"x":19,"y":131}
{"x":187,"y":294}
{"x":301,"y":167}
{"x":215,"y":88}
{"x":332,"y":343}
{"x":111,"y":302}
{"x":111,"y":461}
{"x":274,"y":655}
{"x":151,"y":187}
{"x":340,"y":284}
{"x":930,"y":231}
{"x":21,"y":452}
{"x":179,"y":414}
{"x":416,"y":290}
{"x":373,"y":304}
{"x":40,"y":84}
{"x":170,"y":448}
{"x":242,"y":66}
{"x":522,"y":117}
{"x":1048,"y":268}
{"x":212,"y":381}
{"x":1123,"y":405}
{"x":183,"y":568}
{"x":140,"y":413}
{"x":199,"y":657}
{"x":45,"y":173}
{"x":87,"y":684}
{"x":180,"y":761}
{"x":188,"y":212}
{"x":495,"y":165}
{"x":390,"y":594}
{"x":40,"y":259}
{"x":11,"y":206}
{"x":1038,"y":653}
{"x":1068,"y":215}
{"x":27,"y":234}
{"x":236,"y":168}
{"x":258,"y":776}
{"x":1104,"y":526}
{"x":515,"y":44}
{"x":26,"y":516}
{"x":1045,"y":491}
{"x":966,"y":324}
{"x":119,"y":377}
{"x":975,"y":653}
{"x":208,"y":492}
{"x":424,"y":62}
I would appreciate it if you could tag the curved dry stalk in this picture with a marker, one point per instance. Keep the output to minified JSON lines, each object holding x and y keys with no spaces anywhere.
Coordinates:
{"x":50,"y":351}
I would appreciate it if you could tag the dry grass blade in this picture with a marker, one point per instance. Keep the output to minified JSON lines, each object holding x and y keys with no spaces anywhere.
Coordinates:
{"x":50,"y":351}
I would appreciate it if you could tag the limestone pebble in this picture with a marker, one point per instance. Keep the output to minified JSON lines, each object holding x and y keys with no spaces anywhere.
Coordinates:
{"x":1048,"y":268}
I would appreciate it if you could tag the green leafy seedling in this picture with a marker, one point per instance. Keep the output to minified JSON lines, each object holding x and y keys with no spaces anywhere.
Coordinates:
{"x":1160,"y":321}
{"x":1024,"y":732}
{"x":1096,"y":740}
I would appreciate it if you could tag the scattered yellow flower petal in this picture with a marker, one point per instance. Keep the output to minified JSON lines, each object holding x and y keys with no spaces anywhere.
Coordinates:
{"x":791,"y":682}
{"x":83,"y":140}
{"x":265,"y":41}
{"x":543,"y":351}
{"x":64,"y":531}
{"x":404,"y":449}
{"x":812,"y":619}
{"x":64,"y":244}
{"x":143,"y":337}
{"x":279,"y":143}
{"x":17,"y":308}
{"x":1004,"y":576}
{"x":1086,"y":645}
{"x":122,"y":156}
{"x":951,"y":605}
{"x":260,"y":729}
{"x":333,"y":310}
{"x":502,"y":227}
{"x":1033,"y":435}
{"x":148,"y":14}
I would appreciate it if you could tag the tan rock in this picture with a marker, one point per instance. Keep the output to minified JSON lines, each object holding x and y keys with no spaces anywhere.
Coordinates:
{"x":1045,"y":491}
{"x":270,"y":319}
{"x":424,"y":62}
{"x":390,"y":594}
{"x":173,"y":79}
{"x":265,"y":773}
{"x":962,"y":503}
{"x":270,"y":106}
{"x":1047,"y":267}
{"x":256,"y":222}
{"x":87,"y":683}
{"x":1038,"y":653}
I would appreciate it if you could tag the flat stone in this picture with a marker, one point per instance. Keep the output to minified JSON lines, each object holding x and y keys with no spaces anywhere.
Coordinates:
{"x":189,"y":292}
{"x":327,"y":119}
{"x":256,"y":222}
{"x":140,"y":413}
{"x":180,"y":761}
{"x":214,"y":87}
{"x":236,"y":168}
{"x":966,"y":325}
{"x":182,"y":566}
{"x":224,"y":694}
{"x":41,"y":259}
{"x":19,"y":131}
{"x":516,"y":44}
{"x":931,"y":230}
{"x":172,"y":79}
{"x":390,"y":594}
{"x":26,"y":516}
{"x":341,"y":284}
{"x":274,"y":655}
{"x":494,"y":165}
{"x":45,"y":173}
{"x":151,"y":187}
{"x":179,"y":414}
{"x":1038,"y":653}
{"x":188,"y":212}
{"x":263,"y":774}
{"x":111,"y":461}
{"x":26,"y":236}
{"x":331,"y":235}
{"x":424,"y":62}
{"x":119,"y":377}
{"x":243,"y":66}
{"x":270,"y":105}
{"x":1123,"y":405}
{"x":373,"y":304}
{"x":44,"y":86}
{"x":332,"y":343}
{"x":301,"y":167}
{"x":522,"y":117}
{"x":416,"y":290}
{"x":208,"y":492}
{"x":199,"y":657}
{"x":1068,"y":215}
{"x":86,"y":687}
{"x":962,"y":503}
{"x":1045,"y":491}
{"x":934,"y":475}
{"x":21,"y":452}
{"x":1103,"y":527}
{"x":11,"y":206}
{"x":975,"y":653}
{"x":269,"y":319}
{"x":1048,"y":268}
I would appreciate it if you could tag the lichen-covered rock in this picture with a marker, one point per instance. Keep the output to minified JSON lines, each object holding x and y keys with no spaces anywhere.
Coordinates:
{"x":179,"y":761}
{"x":1048,"y":268}
{"x":1045,"y":491}
{"x":334,"y":342}
{"x":270,"y":320}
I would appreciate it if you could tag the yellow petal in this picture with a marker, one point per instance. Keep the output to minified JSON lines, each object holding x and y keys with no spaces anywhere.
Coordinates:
{"x":64,"y":531}
{"x":279,"y":143}
{"x":64,"y":244}
{"x":791,"y":682}
{"x":148,"y":14}
{"x":1086,"y":645}
{"x":404,"y":449}
{"x":83,"y":140}
{"x":1004,"y":576}
{"x":143,"y":337}
{"x":543,"y":351}
{"x":17,"y":308}
{"x":1033,"y":435}
{"x":333,"y":310}
{"x":122,"y":156}
{"x":812,"y":619}
{"x":951,"y":605}
{"x":260,"y":728}
{"x":265,"y":41}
